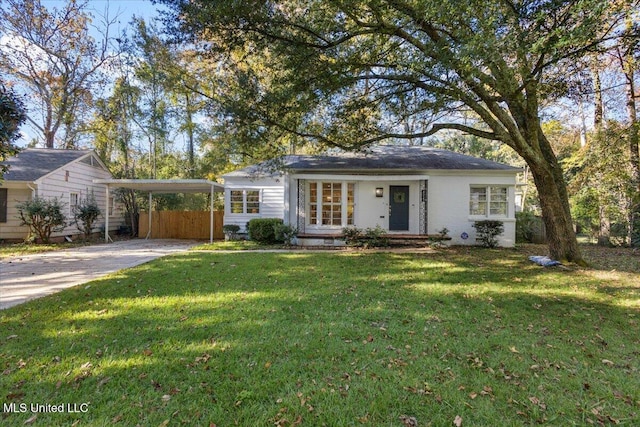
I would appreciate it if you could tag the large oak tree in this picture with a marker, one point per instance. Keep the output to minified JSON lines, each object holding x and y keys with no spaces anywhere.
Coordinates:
{"x":351,"y":73}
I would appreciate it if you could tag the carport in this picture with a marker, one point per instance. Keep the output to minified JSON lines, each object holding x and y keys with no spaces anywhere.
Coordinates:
{"x":161,"y":186}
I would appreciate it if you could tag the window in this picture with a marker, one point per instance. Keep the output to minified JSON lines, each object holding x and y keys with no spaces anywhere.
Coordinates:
{"x":3,"y":204}
{"x":73,"y":202}
{"x":328,"y":206}
{"x":112,"y":207}
{"x":244,"y":202}
{"x":489,"y":201}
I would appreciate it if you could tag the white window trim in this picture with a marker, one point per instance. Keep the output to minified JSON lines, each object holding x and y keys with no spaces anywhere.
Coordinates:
{"x":487,"y":215}
{"x":244,"y":202}
{"x":343,"y":203}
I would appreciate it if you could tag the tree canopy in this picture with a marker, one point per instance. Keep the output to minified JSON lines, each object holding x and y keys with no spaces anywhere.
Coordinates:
{"x":12,"y":115}
{"x":351,"y":73}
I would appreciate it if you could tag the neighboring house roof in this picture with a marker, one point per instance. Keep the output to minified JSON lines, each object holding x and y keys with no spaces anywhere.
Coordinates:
{"x":387,"y":158}
{"x":34,"y":163}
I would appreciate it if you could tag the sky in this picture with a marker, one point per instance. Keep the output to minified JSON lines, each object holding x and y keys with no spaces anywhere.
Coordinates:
{"x":125,"y":10}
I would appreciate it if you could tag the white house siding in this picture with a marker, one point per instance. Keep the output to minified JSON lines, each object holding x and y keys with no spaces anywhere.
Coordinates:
{"x":75,"y":177}
{"x":447,"y":203}
{"x":448,"y":206}
{"x":271,"y":199}
{"x":369,"y":211}
{"x":11,"y":230}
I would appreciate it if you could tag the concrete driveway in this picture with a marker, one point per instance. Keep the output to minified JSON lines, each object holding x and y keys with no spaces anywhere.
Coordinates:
{"x":32,"y":276}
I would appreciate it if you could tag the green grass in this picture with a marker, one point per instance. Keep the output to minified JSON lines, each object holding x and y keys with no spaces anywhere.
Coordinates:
{"x":336,"y":339}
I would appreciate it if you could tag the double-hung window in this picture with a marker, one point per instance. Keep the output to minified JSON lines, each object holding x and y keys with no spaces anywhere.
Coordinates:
{"x":489,"y":201}
{"x":331,"y":204}
{"x":244,"y":202}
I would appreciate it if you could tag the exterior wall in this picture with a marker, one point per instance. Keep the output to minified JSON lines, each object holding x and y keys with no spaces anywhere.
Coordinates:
{"x":76,"y":177}
{"x":11,"y":230}
{"x":372,"y":211}
{"x":449,"y":206}
{"x":272,"y":201}
{"x":448,"y":197}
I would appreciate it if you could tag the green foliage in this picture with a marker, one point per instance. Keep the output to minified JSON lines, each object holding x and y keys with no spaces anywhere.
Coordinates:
{"x":12,"y":115}
{"x":85,"y":214}
{"x":367,"y":238}
{"x":230,"y":231}
{"x":43,"y":216}
{"x":487,"y":232}
{"x":285,"y":233}
{"x":525,"y":223}
{"x":263,"y":230}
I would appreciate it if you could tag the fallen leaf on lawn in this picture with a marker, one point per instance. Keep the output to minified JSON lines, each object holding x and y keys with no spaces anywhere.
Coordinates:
{"x":15,"y":396}
{"x":409,"y":421}
{"x":457,"y":421}
{"x":513,"y":350}
{"x":267,"y":365}
{"x":31,"y":420}
{"x":166,"y":398}
{"x":10,"y":337}
{"x":607,"y":362}
{"x":116,"y":419}
{"x":165,"y":423}
{"x":147,"y":352}
{"x":473,"y":395}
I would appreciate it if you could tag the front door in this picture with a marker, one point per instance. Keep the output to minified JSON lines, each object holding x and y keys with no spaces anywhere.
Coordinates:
{"x":399,"y":208}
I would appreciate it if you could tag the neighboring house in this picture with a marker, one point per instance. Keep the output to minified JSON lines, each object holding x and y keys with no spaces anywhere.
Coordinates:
{"x":64,"y":174}
{"x":406,"y":190}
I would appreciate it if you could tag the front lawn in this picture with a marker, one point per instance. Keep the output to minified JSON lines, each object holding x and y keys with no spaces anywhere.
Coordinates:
{"x":460,"y":336}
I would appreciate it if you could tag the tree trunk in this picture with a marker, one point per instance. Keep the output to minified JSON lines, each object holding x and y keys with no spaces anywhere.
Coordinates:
{"x":634,"y":152}
{"x":554,"y":201}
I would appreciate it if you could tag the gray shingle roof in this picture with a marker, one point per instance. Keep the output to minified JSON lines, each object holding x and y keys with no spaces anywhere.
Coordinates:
{"x":386,"y":158}
{"x":33,"y":163}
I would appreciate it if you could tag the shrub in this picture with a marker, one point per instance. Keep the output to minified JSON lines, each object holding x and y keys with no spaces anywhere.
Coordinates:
{"x":230,"y":231}
{"x":85,"y":214}
{"x":487,"y":232}
{"x":525,"y":226}
{"x":43,"y":216}
{"x":352,"y":236}
{"x":285,"y":233}
{"x":369,"y":238}
{"x":262,"y":230}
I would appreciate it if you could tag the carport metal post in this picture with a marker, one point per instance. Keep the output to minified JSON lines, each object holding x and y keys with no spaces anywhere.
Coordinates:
{"x":106,"y":215}
{"x":211,"y":220}
{"x":150,"y":202}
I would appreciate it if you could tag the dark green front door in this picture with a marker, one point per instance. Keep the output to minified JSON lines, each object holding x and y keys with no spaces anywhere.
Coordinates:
{"x":399,"y":208}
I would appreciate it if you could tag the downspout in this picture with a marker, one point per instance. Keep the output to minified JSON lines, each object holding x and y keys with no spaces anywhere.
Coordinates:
{"x":34,"y":191}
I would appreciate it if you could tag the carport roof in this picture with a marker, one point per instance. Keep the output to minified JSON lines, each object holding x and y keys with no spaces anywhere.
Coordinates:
{"x":165,"y":185}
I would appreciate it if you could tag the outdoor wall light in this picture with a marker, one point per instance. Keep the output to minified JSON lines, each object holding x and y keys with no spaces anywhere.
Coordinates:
{"x":379,"y":192}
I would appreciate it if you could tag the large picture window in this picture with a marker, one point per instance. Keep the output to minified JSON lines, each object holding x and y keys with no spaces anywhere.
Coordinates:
{"x":244,"y":202}
{"x":331,"y":203}
{"x":489,"y":201}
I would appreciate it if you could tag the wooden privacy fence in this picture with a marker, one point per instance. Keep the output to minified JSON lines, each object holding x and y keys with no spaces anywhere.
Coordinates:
{"x":181,"y":225}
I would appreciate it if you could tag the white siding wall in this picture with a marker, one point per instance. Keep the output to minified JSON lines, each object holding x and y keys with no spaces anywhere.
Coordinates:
{"x":449,"y":206}
{"x":271,"y":199}
{"x":11,"y":230}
